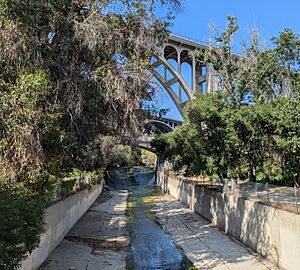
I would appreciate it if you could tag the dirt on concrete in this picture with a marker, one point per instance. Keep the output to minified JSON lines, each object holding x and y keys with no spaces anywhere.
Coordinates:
{"x":116,"y":243}
{"x":98,"y":241}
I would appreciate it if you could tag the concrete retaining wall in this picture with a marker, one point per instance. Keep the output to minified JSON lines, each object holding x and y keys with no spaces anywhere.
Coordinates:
{"x":59,"y":219}
{"x":177,"y":187}
{"x":273,"y":233}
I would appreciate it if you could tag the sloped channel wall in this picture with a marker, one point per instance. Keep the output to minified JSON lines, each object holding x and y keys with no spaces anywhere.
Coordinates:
{"x":59,"y":219}
{"x":272,"y":232}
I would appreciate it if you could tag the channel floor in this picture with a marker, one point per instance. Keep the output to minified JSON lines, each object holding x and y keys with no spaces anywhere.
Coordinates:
{"x":101,"y":239}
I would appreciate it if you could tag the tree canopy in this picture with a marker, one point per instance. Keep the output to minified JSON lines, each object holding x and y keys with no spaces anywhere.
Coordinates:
{"x":251,"y":128}
{"x":73,"y":75}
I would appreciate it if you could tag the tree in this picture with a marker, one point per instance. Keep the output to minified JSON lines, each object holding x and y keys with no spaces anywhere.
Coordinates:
{"x":286,"y":121}
{"x":225,"y":62}
{"x":203,"y":116}
{"x":252,"y":127}
{"x":21,"y":215}
{"x":199,"y":142}
{"x":71,"y":74}
{"x":78,"y":71}
{"x":259,"y":74}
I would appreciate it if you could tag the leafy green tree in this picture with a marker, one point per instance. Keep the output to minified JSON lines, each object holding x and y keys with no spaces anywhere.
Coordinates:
{"x":71,"y":73}
{"x":199,"y":142}
{"x":288,"y":49}
{"x":286,"y":121}
{"x":249,"y":128}
{"x":225,"y":62}
{"x":287,"y":53}
{"x":258,"y":74}
{"x":203,"y":116}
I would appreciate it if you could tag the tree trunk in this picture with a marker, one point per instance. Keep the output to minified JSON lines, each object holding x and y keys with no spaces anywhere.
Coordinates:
{"x":221,"y":177}
{"x":252,"y":173}
{"x":297,"y":179}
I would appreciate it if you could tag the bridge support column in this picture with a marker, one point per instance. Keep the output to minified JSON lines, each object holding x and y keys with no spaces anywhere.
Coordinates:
{"x":179,"y":71}
{"x":211,"y":79}
{"x":199,"y":85}
{"x":194,"y":74}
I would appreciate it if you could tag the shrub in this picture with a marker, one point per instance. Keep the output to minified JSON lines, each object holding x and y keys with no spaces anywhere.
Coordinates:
{"x":21,"y":224}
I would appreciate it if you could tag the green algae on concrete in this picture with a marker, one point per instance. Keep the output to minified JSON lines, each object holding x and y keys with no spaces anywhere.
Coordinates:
{"x":151,"y":247}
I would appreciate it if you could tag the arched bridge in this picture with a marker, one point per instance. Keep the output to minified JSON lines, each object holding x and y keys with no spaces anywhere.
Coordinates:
{"x":203,"y":77}
{"x":204,"y":80}
{"x":160,"y":125}
{"x":156,"y":126}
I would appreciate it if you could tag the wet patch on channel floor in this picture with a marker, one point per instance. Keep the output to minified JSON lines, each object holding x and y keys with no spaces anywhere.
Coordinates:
{"x":151,"y":247}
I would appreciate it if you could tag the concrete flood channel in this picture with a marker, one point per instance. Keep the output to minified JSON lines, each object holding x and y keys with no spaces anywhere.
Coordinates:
{"x":150,"y":246}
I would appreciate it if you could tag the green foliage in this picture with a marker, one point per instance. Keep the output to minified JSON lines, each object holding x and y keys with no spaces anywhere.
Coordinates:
{"x":219,"y":141}
{"x":259,"y":74}
{"x":287,"y":138}
{"x":75,"y":181}
{"x":79,"y":173}
{"x":288,"y":49}
{"x":21,"y":215}
{"x":115,"y":154}
{"x":185,"y":145}
{"x":72,"y":73}
{"x":68,"y":184}
{"x":252,"y":127}
{"x":72,"y":78}
{"x":148,"y":158}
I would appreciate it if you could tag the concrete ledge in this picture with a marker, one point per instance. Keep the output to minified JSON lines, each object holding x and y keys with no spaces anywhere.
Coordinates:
{"x":272,"y":232}
{"x":59,"y":219}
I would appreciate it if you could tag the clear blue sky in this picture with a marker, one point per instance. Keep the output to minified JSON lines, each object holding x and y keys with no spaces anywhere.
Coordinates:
{"x":269,"y":17}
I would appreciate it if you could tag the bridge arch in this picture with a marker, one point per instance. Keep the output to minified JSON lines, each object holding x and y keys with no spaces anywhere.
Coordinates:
{"x":185,"y":57}
{"x":160,"y":126}
{"x":176,"y":78}
{"x":180,"y":50}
